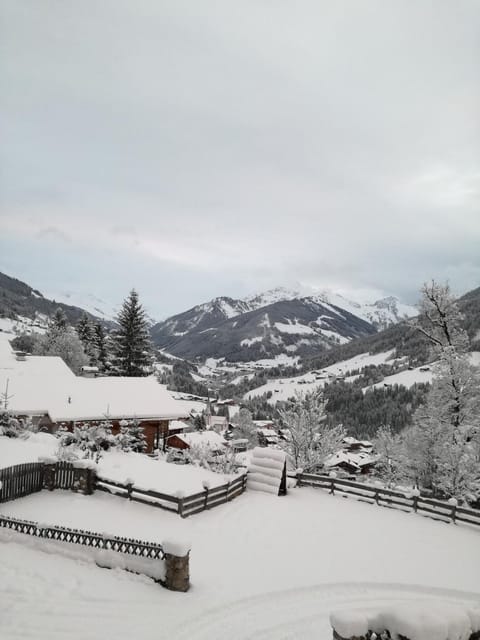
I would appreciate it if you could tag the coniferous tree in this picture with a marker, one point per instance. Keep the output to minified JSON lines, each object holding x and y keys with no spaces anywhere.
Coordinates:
{"x":101,"y":345}
{"x":131,"y":345}
{"x":59,"y":321}
{"x":87,"y":334}
{"x":131,"y":437}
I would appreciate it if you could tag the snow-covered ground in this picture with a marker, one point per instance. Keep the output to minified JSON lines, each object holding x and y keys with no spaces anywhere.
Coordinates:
{"x":262,"y":567}
{"x":18,"y":451}
{"x":157,"y":475}
{"x":10,"y":328}
{"x":145,"y":473}
{"x":410,"y":377}
{"x":284,"y":388}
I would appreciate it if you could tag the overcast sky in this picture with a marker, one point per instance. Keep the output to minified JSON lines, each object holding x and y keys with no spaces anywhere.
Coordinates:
{"x":195,"y":149}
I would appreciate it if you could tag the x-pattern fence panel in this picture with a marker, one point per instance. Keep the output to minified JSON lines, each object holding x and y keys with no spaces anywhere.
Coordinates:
{"x":129,"y":546}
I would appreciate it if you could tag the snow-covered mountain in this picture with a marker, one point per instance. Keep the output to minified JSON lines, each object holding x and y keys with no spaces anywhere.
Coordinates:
{"x":28,"y":307}
{"x":381,"y":313}
{"x":98,"y":307}
{"x":87,"y":301}
{"x":281,"y":320}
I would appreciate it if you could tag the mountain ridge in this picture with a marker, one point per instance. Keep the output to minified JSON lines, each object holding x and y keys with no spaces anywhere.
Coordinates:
{"x":274,"y":322}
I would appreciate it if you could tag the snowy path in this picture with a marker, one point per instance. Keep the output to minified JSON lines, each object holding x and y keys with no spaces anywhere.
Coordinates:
{"x":304,"y":612}
{"x":262,"y":567}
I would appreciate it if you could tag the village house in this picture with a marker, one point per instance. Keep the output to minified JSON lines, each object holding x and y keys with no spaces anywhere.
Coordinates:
{"x":209,"y":440}
{"x":351,"y":462}
{"x":44,"y":389}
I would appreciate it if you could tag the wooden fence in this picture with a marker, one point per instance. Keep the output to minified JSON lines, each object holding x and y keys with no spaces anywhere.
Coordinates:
{"x":20,"y":480}
{"x":64,"y":475}
{"x":99,"y":541}
{"x":185,"y":505}
{"x":24,"y":479}
{"x":389,"y":498}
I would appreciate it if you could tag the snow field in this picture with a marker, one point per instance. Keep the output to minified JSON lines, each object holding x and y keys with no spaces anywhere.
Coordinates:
{"x":157,"y":475}
{"x":261,"y":566}
{"x":284,"y":388}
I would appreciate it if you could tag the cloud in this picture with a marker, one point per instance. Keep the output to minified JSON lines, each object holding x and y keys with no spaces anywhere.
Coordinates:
{"x":53,"y":233}
{"x":339,"y":148}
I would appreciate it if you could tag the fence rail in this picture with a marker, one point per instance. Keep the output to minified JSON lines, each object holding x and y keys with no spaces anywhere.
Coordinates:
{"x":186,"y":505}
{"x":20,"y":480}
{"x":436,"y":509}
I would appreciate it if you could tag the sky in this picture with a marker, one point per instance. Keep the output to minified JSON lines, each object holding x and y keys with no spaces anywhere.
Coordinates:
{"x":197,"y":149}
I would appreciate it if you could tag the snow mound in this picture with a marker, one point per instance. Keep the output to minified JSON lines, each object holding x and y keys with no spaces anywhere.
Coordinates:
{"x":266,"y":470}
{"x":415,"y":622}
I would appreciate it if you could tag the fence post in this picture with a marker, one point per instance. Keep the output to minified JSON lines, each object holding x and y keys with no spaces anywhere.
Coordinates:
{"x":206,"y":486}
{"x":376,"y":496}
{"x":332,"y":486}
{"x":453,"y":503}
{"x":177,"y":566}
{"x":49,"y":472}
{"x":415,"y":496}
{"x":129,"y":490}
{"x":228,"y":490}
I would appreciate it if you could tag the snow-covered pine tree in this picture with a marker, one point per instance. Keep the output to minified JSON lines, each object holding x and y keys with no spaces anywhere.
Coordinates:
{"x":101,"y":345}
{"x":199,"y":422}
{"x":131,"y":436}
{"x":131,"y":345}
{"x":59,"y":321}
{"x":87,"y":334}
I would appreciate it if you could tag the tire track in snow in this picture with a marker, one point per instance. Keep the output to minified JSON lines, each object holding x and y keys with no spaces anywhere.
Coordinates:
{"x":302,"y":613}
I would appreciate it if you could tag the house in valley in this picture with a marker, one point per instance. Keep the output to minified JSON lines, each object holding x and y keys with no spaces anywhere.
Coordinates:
{"x":210,"y":440}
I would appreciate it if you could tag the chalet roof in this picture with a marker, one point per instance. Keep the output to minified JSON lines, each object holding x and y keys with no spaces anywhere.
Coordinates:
{"x":45,"y":385}
{"x":353,"y":459}
{"x":353,"y":441}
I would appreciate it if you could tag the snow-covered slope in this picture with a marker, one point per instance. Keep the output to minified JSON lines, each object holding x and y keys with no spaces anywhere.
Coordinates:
{"x":19,"y":300}
{"x":88,"y":301}
{"x":282,"y":389}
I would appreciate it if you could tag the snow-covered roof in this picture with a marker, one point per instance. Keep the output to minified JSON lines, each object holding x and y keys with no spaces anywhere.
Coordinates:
{"x":45,"y":385}
{"x":178,"y":424}
{"x":202,"y":438}
{"x":356,"y":460}
{"x":263,"y":423}
{"x":268,"y":433}
{"x":353,"y":441}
